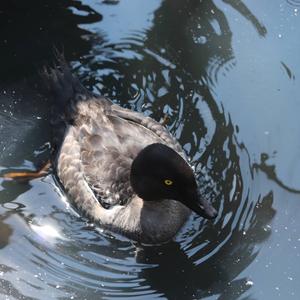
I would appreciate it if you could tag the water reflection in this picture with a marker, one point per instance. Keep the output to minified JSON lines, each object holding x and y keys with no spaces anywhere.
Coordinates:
{"x":194,"y":35}
{"x":270,"y":171}
{"x":295,"y":3}
{"x":5,"y":232}
{"x":241,"y":7}
{"x":29,"y":31}
{"x":7,"y":288}
{"x":170,"y":68}
{"x":193,"y":39}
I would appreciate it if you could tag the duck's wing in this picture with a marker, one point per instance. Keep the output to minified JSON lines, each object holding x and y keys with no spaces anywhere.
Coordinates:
{"x":110,"y":137}
{"x":147,"y":123}
{"x":94,"y":165}
{"x":104,"y":159}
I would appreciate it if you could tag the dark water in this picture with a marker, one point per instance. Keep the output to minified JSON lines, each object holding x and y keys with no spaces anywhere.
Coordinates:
{"x":227,"y":74}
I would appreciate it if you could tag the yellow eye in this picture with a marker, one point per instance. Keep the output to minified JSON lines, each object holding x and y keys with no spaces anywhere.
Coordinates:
{"x":168,"y":182}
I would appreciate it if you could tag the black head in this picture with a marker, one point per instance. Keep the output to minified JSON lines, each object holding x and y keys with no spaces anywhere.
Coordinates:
{"x":158,"y":172}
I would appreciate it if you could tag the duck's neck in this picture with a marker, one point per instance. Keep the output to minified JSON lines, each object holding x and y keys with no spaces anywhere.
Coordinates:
{"x":149,"y":222}
{"x":161,"y":220}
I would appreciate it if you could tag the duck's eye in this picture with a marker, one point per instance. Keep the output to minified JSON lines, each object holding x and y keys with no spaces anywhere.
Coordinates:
{"x":168,"y":182}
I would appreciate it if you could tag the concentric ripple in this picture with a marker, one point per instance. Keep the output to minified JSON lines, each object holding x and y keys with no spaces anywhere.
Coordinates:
{"x":162,"y":86}
{"x":49,"y":251}
{"x":293,"y":2}
{"x":59,"y":253}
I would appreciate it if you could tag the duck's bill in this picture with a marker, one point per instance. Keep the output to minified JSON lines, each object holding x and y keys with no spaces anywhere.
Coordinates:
{"x":204,"y":209}
{"x":201,"y":206}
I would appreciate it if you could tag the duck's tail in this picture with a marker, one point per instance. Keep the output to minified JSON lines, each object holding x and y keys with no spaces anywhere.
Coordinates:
{"x":64,"y":90}
{"x":62,"y":86}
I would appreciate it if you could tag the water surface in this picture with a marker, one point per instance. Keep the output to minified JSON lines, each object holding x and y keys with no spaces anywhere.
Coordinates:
{"x":227,"y":75}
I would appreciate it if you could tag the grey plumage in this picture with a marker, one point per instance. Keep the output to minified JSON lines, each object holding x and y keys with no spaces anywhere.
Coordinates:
{"x":96,"y":143}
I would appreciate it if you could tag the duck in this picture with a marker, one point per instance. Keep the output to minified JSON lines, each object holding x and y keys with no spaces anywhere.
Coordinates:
{"x":121,"y":169}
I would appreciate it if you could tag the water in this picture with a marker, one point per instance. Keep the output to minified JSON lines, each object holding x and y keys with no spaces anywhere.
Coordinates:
{"x":227,"y":75}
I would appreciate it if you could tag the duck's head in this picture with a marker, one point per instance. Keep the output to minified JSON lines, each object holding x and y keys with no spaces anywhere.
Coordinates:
{"x":158,"y":172}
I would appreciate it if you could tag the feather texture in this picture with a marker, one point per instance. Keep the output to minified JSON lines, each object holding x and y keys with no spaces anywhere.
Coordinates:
{"x":98,"y":141}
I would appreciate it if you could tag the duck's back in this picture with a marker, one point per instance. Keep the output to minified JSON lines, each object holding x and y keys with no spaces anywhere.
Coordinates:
{"x":108,"y":138}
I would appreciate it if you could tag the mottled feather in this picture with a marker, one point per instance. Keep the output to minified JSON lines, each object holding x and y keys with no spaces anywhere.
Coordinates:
{"x":94,"y":146}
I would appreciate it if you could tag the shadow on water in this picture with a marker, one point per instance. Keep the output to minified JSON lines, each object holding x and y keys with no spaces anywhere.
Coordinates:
{"x":270,"y":171}
{"x":30,"y":30}
{"x":167,"y":69}
{"x":192,"y":38}
{"x":239,"y":6}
